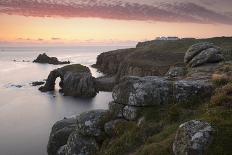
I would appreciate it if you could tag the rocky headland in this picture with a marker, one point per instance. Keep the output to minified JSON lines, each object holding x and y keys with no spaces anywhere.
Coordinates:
{"x":44,"y":59}
{"x":164,"y":102}
{"x":75,"y":80}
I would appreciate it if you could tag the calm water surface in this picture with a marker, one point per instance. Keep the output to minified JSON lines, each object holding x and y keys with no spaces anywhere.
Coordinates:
{"x":27,"y":115}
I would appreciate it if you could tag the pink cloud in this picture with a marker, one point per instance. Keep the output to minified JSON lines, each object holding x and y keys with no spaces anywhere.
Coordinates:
{"x":115,"y":9}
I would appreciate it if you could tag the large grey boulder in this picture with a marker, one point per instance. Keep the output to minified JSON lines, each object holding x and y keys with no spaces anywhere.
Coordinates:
{"x":196,"y":49}
{"x":76,"y":80}
{"x":59,"y":134}
{"x":80,"y":145}
{"x":92,"y":123}
{"x":143,"y":91}
{"x":203,"y":53}
{"x":150,"y":91}
{"x":193,"y":138}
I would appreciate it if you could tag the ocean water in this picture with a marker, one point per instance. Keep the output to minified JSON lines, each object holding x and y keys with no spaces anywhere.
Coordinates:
{"x":26,"y":114}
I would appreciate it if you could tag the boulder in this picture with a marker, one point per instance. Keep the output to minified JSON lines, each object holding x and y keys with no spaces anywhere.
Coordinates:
{"x":143,"y":91}
{"x":130,"y":113}
{"x":175,"y":72}
{"x":193,"y":138}
{"x":150,"y":91}
{"x":111,"y":127}
{"x":80,"y":145}
{"x":203,"y":53}
{"x":116,"y":110}
{"x":43,"y":58}
{"x":76,"y":80}
{"x":59,"y":134}
{"x":195,"y":50}
{"x":91,"y":124}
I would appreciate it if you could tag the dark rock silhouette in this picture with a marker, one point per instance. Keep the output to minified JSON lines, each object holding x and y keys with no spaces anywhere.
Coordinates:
{"x":43,"y":58}
{"x":76,"y":80}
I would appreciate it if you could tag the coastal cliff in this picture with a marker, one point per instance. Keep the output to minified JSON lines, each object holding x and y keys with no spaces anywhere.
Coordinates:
{"x":152,"y":58}
{"x":184,"y":112}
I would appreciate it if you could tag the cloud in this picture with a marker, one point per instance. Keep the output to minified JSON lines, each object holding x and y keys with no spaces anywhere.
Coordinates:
{"x":39,"y":39}
{"x":54,"y":38}
{"x":153,"y":10}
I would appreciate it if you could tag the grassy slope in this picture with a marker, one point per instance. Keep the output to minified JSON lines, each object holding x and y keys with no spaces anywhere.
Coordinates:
{"x":155,"y":136}
{"x":76,"y":68}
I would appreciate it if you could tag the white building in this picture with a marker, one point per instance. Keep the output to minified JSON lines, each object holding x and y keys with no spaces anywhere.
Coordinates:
{"x":167,"y":38}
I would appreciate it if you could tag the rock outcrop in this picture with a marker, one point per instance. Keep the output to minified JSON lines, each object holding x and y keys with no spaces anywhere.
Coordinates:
{"x":81,"y":135}
{"x":193,"y":138}
{"x":132,"y":94}
{"x":137,"y":61}
{"x":203,"y":53}
{"x":154,"y":58}
{"x":37,"y":83}
{"x":176,"y":72}
{"x":61,"y":130}
{"x":150,"y":91}
{"x":105,"y":83}
{"x":76,"y":80}
{"x":43,"y":58}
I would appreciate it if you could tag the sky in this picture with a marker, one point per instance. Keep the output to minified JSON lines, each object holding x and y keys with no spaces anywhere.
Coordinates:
{"x":103,"y":22}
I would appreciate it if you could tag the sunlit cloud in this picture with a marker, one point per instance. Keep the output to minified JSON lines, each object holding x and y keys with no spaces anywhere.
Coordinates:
{"x":154,"y":10}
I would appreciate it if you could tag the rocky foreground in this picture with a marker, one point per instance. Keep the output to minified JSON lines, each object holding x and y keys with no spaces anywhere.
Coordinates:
{"x":176,"y":113}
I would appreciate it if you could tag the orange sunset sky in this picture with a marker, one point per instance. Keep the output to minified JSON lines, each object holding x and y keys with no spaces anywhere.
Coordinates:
{"x":110,"y":22}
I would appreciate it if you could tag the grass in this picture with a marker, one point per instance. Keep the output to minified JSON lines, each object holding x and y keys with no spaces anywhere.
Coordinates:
{"x":156,"y":134}
{"x":76,"y":68}
{"x":223,"y":96}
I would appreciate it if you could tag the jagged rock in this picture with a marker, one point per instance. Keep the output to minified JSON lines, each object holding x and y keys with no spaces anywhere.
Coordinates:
{"x":79,"y":84}
{"x":92,"y":123}
{"x":61,"y":150}
{"x":110,"y":127}
{"x":130,"y":113}
{"x":37,"y":83}
{"x":150,"y":91}
{"x":193,"y":138}
{"x":203,"y":53}
{"x":59,"y":134}
{"x":116,"y":110}
{"x":105,"y":83}
{"x":76,"y":80}
{"x":80,"y":145}
{"x":176,"y":72}
{"x":43,"y":58}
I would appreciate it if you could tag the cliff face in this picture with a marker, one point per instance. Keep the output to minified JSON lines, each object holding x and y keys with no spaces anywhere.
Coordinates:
{"x":151,"y":58}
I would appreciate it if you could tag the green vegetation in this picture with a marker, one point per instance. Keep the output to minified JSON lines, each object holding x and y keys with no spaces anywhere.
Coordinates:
{"x":75,"y":68}
{"x":155,"y":134}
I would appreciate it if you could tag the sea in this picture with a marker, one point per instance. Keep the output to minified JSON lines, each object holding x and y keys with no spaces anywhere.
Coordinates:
{"x":26,"y":114}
